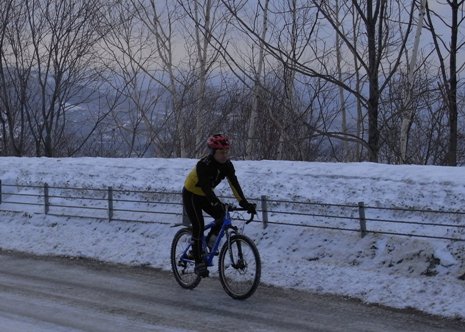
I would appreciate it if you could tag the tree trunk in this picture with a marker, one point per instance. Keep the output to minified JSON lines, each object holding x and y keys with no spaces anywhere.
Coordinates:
{"x":251,"y":151}
{"x":342,"y":108}
{"x":373,"y":99}
{"x":407,"y":116}
{"x":452,"y":97}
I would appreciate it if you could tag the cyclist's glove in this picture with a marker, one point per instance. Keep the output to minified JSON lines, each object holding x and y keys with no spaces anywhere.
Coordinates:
{"x":251,"y":208}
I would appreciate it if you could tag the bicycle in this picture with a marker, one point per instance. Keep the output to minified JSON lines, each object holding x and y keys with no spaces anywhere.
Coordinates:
{"x":239,"y":264}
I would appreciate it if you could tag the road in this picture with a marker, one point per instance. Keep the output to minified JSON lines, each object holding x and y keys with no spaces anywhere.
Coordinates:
{"x":58,"y":294}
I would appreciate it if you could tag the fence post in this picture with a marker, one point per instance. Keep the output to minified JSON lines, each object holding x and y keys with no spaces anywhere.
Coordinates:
{"x":264,"y":211}
{"x":110,"y":203}
{"x":363,"y":223}
{"x":0,"y":191}
{"x":46,"y":199}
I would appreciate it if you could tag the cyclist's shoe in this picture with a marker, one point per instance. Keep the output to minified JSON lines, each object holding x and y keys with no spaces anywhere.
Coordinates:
{"x":201,"y":269}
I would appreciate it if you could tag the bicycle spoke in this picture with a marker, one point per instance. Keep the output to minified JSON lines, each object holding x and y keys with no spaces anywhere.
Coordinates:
{"x":181,"y":264}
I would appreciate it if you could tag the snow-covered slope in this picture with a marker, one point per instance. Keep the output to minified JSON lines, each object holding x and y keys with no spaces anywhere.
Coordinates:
{"x":391,"y":270}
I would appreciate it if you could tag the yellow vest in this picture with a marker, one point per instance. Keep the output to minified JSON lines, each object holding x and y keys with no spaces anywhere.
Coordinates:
{"x":191,"y":183}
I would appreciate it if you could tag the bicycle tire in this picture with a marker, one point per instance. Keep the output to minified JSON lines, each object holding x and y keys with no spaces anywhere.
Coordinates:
{"x":183,"y":269}
{"x":239,"y":277}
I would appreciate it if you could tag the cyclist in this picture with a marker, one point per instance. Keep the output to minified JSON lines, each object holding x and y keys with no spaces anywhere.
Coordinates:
{"x":198,"y":195}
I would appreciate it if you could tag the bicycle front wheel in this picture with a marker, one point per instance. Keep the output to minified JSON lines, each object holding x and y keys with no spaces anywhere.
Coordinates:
{"x":182,"y":262}
{"x":239,"y":267}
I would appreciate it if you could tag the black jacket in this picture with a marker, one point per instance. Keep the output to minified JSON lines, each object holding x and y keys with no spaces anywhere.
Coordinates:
{"x":207,"y":174}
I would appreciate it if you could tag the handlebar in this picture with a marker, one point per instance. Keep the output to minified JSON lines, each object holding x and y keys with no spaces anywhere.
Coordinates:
{"x":232,"y":208}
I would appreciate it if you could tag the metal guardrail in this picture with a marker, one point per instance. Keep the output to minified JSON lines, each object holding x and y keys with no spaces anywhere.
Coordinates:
{"x":108,"y":203}
{"x":166,"y":208}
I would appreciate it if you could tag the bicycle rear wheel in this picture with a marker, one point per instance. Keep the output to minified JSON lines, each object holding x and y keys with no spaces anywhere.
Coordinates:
{"x":239,"y":267}
{"x":181,"y":264}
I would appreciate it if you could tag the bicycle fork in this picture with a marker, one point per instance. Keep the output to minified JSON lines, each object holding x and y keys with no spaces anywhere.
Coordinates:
{"x":239,"y":262}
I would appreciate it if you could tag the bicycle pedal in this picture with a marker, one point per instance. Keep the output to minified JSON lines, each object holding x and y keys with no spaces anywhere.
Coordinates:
{"x":189,"y":255}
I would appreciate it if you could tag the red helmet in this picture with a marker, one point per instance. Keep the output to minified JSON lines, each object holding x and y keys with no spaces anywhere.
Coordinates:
{"x":218,"y":141}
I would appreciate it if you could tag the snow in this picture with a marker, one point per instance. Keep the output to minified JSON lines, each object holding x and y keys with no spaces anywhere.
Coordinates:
{"x":397,"y":271}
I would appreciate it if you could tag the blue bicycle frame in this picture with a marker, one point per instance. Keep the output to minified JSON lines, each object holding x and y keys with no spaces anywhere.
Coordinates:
{"x":227,"y":223}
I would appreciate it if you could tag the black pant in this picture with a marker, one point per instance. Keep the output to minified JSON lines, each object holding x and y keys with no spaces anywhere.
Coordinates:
{"x":194,"y":205}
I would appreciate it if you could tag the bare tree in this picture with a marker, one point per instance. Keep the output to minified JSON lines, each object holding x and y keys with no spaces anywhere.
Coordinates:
{"x":427,"y":137}
{"x":407,"y":115}
{"x":160,"y":20}
{"x":448,"y":50}
{"x":375,"y":16}
{"x":130,"y":52}
{"x":257,"y":86}
{"x":275,"y":97}
{"x":342,"y":103}
{"x":63,"y":35}
{"x":207,"y":18}
{"x":15,"y":70}
{"x":380,"y":54}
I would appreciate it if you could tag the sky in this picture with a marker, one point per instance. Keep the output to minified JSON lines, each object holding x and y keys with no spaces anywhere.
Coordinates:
{"x":383,"y":269}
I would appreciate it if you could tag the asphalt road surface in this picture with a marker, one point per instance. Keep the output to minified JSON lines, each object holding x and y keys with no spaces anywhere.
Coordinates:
{"x":58,"y":294}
